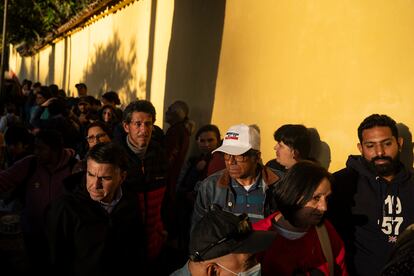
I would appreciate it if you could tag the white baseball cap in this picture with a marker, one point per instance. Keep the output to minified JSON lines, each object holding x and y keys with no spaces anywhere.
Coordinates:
{"x":239,"y":139}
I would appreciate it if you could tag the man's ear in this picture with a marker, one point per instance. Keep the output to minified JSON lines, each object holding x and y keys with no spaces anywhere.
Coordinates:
{"x":359,"y":147}
{"x":126,"y":126}
{"x":123,"y":176}
{"x":296,"y":155}
{"x":400,"y":142}
{"x":211,"y":269}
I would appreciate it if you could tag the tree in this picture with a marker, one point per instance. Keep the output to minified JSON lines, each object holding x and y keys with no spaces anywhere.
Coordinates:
{"x":30,"y":21}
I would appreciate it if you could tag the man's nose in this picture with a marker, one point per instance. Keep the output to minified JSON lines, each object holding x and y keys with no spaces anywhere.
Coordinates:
{"x":379,"y":150}
{"x":232,"y":160}
{"x":97,"y":182}
{"x":143,"y":128}
{"x":206,"y":144}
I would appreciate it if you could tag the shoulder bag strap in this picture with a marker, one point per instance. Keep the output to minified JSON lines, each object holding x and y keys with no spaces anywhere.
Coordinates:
{"x":326,"y":246}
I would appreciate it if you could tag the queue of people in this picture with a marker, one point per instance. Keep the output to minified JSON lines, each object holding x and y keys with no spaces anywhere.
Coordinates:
{"x":104,"y":192}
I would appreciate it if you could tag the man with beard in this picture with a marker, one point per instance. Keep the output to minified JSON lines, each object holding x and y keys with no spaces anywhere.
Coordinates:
{"x":372,"y":198}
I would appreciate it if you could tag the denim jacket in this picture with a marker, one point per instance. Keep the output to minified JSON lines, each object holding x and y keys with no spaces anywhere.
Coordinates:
{"x":216,"y":189}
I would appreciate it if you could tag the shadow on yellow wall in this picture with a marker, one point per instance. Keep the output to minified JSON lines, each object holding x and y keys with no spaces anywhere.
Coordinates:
{"x":320,"y":150}
{"x":193,"y":56}
{"x":109,"y":72}
{"x":406,"y":155}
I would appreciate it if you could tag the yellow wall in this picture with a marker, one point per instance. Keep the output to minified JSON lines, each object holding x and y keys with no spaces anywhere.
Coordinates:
{"x":326,"y":64}
{"x":164,"y":16}
{"x":109,"y":54}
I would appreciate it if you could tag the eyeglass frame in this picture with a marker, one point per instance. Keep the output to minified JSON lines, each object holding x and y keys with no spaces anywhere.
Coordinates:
{"x":241,"y":157}
{"x":243,"y":228}
{"x":96,"y":137}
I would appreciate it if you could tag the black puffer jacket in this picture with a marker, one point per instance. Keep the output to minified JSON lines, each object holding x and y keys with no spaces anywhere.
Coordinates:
{"x":86,"y":240}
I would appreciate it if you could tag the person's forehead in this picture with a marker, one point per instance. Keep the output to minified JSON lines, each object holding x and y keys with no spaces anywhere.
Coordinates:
{"x":142,"y":116}
{"x":207,"y":134}
{"x":95,"y":129}
{"x":376,"y":134}
{"x":104,"y":167}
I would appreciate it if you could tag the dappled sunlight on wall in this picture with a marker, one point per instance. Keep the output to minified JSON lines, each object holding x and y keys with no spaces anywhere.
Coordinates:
{"x":78,"y":55}
{"x":110,"y":71}
{"x":325,"y":64}
{"x":109,"y":54}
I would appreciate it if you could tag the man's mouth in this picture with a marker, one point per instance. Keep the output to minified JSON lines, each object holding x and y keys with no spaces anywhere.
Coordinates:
{"x":234,"y":170}
{"x":381,"y":160}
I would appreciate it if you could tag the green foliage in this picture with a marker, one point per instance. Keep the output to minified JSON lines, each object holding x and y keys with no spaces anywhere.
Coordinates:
{"x":30,"y":20}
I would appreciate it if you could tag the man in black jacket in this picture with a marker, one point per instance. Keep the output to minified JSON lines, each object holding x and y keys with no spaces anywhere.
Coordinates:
{"x":95,"y":227}
{"x":147,"y":172}
{"x":372,"y":198}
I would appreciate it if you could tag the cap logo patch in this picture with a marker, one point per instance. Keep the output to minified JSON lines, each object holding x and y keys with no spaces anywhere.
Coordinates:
{"x":232,"y":136}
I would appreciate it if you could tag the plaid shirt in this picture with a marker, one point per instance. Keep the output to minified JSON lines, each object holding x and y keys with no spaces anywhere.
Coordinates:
{"x":250,"y":202}
{"x":220,"y":189}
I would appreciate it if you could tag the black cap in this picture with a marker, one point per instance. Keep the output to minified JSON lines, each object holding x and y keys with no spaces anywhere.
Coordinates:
{"x":80,"y":85}
{"x":220,"y":233}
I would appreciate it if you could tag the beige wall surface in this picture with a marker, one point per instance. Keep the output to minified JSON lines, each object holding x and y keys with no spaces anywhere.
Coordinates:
{"x":109,"y":54}
{"x":326,"y":64}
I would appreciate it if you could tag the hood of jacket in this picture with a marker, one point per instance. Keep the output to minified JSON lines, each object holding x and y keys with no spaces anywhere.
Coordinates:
{"x":65,"y":157}
{"x":75,"y":184}
{"x":358,"y":164}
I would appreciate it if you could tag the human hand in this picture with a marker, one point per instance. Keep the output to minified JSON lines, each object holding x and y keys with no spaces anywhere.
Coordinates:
{"x":47,"y":102}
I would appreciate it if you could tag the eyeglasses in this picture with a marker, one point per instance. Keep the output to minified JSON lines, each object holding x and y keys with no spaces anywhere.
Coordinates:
{"x":96,"y":137}
{"x":243,"y":229}
{"x":239,"y":158}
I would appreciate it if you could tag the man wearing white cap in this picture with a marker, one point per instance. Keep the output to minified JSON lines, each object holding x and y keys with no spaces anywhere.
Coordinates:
{"x":245,"y":185}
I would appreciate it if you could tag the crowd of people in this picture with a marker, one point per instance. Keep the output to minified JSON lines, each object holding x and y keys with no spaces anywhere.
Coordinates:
{"x":102,"y":190}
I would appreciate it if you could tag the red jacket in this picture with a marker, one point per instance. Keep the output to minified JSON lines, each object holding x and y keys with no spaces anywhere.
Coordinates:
{"x":147,"y":178}
{"x":286,"y":257}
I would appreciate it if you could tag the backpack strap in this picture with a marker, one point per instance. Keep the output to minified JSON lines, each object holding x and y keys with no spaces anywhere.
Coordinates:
{"x":326,"y":246}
